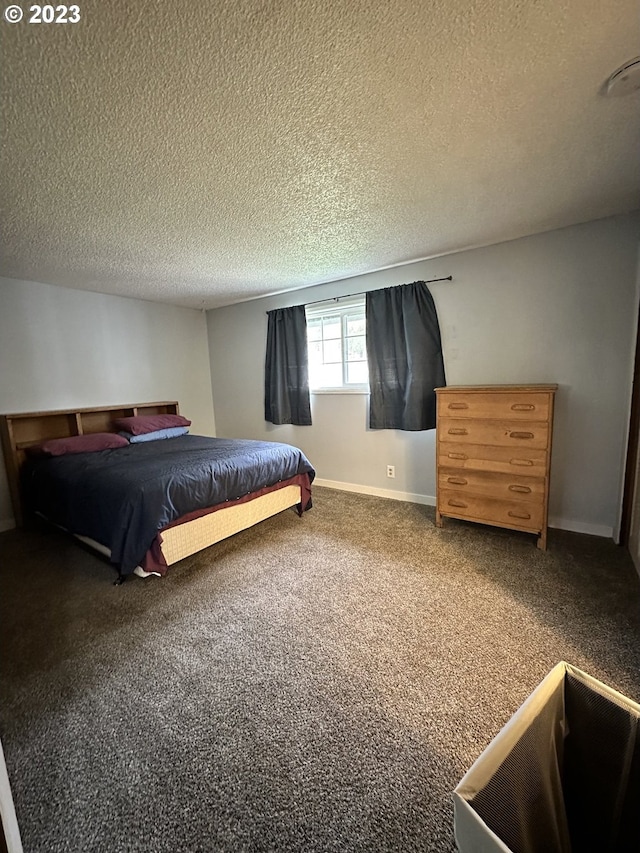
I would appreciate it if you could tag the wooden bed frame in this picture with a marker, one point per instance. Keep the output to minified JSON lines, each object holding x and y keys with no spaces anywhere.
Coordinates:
{"x":25,"y":429}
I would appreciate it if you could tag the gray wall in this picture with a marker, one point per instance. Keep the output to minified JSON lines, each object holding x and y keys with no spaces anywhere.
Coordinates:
{"x":555,"y":307}
{"x":63,"y":348}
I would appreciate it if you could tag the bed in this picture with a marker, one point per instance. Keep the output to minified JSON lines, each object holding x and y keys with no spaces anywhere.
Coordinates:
{"x":151,"y":504}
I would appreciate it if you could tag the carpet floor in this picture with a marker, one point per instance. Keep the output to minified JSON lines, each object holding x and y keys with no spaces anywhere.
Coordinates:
{"x":314,"y":684}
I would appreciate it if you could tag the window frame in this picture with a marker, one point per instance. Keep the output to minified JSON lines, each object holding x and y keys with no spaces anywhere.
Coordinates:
{"x":339,"y":307}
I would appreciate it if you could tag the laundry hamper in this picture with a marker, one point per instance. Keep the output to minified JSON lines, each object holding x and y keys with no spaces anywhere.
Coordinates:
{"x":563,"y":775}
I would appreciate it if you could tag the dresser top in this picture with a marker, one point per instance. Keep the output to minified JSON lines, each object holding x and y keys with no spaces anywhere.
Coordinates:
{"x":497,"y":389}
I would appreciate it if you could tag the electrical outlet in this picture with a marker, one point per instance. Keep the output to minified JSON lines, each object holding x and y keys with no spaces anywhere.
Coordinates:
{"x":391,"y":470}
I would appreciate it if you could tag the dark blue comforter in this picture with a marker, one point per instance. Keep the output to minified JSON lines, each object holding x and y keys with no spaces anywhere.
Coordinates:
{"x":122,"y":497}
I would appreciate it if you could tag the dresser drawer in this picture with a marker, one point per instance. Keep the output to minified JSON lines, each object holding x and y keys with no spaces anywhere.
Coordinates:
{"x":484,"y":457}
{"x":528,"y":516}
{"x":505,"y":406}
{"x":524,"y":434}
{"x":488,"y":484}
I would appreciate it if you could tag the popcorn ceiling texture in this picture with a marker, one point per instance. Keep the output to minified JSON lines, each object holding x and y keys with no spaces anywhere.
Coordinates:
{"x":202,"y":153}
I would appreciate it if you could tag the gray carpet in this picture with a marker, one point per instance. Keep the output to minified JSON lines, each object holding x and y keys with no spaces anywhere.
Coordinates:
{"x":315,"y":684}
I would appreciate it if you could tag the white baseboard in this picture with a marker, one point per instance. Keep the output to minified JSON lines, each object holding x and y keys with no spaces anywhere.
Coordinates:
{"x":6,"y":524}
{"x":429,"y":500}
{"x":395,"y":495}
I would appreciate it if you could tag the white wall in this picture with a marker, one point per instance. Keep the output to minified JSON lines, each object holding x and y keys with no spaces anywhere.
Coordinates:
{"x":554,"y":307}
{"x":63,"y":348}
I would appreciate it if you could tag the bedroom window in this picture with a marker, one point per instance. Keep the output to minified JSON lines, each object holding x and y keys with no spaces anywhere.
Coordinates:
{"x":337,"y":346}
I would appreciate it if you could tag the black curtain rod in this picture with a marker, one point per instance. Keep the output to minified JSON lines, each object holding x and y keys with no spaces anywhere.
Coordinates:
{"x":362,"y":292}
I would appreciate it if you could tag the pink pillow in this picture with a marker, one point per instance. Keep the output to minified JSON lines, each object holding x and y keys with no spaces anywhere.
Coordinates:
{"x":141,"y":424}
{"x":79,"y":444}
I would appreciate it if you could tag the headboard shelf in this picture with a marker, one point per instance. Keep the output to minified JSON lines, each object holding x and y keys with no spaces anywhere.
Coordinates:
{"x":24,"y":429}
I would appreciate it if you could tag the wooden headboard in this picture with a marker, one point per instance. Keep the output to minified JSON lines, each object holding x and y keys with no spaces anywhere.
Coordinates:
{"x":25,"y":429}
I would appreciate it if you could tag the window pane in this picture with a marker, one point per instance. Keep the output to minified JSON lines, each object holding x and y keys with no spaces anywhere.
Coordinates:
{"x":332,"y":352}
{"x":314,"y":329}
{"x":357,"y":371}
{"x":356,"y":348}
{"x":315,"y":376}
{"x":315,"y":352}
{"x":331,"y":327}
{"x":331,"y":376}
{"x":355,"y":324}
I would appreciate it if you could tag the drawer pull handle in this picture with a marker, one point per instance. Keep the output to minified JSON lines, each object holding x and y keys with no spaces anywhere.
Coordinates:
{"x":521,"y":462}
{"x":525,"y":490}
{"x":523,"y":407}
{"x":460,"y":504}
{"x":457,"y":432}
{"x":458,"y":456}
{"x":457,"y":406}
{"x":520,"y":435}
{"x":457,"y":481}
{"x":523,"y":515}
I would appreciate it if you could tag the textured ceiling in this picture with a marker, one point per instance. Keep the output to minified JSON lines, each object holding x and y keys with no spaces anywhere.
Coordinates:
{"x":202,"y":152}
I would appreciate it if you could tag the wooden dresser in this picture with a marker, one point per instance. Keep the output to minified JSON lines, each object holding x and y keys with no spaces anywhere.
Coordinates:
{"x":493,"y":455}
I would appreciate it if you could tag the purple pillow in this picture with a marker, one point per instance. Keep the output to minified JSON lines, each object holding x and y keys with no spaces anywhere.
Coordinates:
{"x":79,"y":444}
{"x":140,"y":424}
